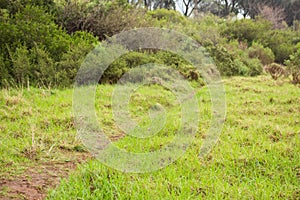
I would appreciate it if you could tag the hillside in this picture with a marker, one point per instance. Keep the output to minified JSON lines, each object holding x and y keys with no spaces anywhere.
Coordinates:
{"x":256,"y":157}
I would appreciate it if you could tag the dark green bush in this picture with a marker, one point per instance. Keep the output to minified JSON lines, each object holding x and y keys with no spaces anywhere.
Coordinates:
{"x":34,"y":48}
{"x":14,"y":6}
{"x":247,"y":30}
{"x":134,"y":59}
{"x":123,"y":64}
{"x":232,"y":61}
{"x":265,"y":55}
{"x":103,"y":19}
{"x":4,"y":73}
{"x":293,"y":64}
{"x":21,"y":65}
{"x":281,"y":42}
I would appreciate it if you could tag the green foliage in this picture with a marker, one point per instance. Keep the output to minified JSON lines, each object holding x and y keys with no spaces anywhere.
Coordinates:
{"x":282,"y":43}
{"x":102,"y":19}
{"x":43,"y":68}
{"x":293,"y":65}
{"x":14,"y":6}
{"x":34,"y":48}
{"x":164,"y":17}
{"x":4,"y":73}
{"x":134,"y":59}
{"x":21,"y":64}
{"x":124,"y":64}
{"x":55,"y":45}
{"x":265,"y":55}
{"x":246,"y":29}
{"x":208,"y":30}
{"x":232,"y":61}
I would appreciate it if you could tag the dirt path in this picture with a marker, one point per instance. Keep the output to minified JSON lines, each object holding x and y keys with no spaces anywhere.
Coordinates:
{"x":37,"y":180}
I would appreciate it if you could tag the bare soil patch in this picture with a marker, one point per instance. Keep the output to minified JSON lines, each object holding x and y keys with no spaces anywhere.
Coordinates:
{"x":37,"y":180}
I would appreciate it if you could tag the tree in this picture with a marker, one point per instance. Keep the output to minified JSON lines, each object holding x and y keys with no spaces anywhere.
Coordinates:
{"x":188,"y":6}
{"x":154,"y":4}
{"x":275,"y":15}
{"x":292,"y":11}
{"x":228,"y":6}
{"x":167,"y":4}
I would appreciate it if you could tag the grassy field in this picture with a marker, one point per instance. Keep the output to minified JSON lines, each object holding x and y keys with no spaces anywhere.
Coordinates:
{"x":257,"y":156}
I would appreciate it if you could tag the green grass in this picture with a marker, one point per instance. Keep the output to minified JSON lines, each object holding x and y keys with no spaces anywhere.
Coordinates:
{"x":257,"y":156}
{"x":35,"y":126}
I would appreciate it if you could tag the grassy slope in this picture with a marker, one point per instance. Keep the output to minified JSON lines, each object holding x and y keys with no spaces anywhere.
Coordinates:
{"x":257,"y":155}
{"x":35,"y":126}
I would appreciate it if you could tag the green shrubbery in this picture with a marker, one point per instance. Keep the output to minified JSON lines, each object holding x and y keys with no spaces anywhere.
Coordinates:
{"x":281,"y":42}
{"x":265,"y":55}
{"x":102,"y":18}
{"x":34,"y":49}
{"x":294,"y":65}
{"x":135,"y":59}
{"x":235,"y":62}
{"x":43,"y":43}
{"x":246,"y":30}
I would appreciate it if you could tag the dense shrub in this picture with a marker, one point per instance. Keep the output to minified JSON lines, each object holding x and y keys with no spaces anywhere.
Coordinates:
{"x":4,"y":75}
{"x":246,"y":30}
{"x":167,"y":18}
{"x":123,"y":64}
{"x":134,"y":59}
{"x":21,"y":64}
{"x":232,"y":61}
{"x":14,"y":6}
{"x":281,"y":42}
{"x":46,"y":49}
{"x":33,"y":46}
{"x":265,"y":55}
{"x":208,"y":30}
{"x":294,"y":65}
{"x":103,"y":19}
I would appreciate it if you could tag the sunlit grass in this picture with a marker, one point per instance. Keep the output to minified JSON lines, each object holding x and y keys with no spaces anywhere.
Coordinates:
{"x":257,"y":156}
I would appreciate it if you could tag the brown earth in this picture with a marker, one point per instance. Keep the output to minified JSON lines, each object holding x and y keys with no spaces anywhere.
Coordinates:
{"x":34,"y":183}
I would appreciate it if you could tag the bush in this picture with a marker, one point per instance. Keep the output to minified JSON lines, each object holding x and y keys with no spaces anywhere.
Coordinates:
{"x":42,"y":68}
{"x":134,"y":59}
{"x":167,"y":18}
{"x":232,"y":61}
{"x":265,"y":55}
{"x":21,"y":64}
{"x":33,"y":26}
{"x":281,"y":42}
{"x":14,"y":6}
{"x":254,"y":65}
{"x":34,"y":48}
{"x":247,"y":30}
{"x":68,"y":66}
{"x":293,"y":65}
{"x":123,"y":64}
{"x":4,"y":74}
{"x":103,"y":19}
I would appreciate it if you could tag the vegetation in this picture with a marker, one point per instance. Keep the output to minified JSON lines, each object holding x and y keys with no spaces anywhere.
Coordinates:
{"x":37,"y":127}
{"x":43,"y":44}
